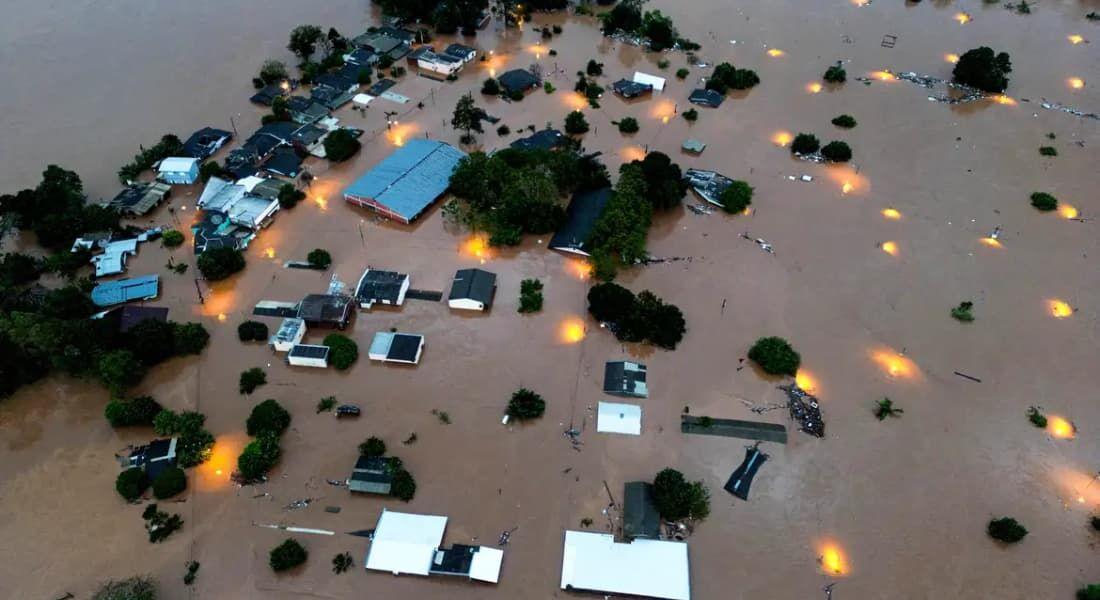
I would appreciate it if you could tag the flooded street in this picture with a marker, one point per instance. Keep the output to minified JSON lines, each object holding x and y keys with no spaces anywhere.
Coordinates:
{"x":903,"y":503}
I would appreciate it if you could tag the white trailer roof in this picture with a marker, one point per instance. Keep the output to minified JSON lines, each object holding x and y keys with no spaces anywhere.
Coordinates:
{"x":486,"y":564}
{"x":613,"y":417}
{"x":649,"y":568}
{"x":658,"y":83}
{"x":405,"y":542}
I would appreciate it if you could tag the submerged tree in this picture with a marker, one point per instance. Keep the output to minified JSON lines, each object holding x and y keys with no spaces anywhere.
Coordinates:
{"x":775,"y":356}
{"x":287,"y":555}
{"x":526,"y":405}
{"x":885,"y":408}
{"x":303,"y":40}
{"x":677,"y":499}
{"x":1006,"y":529}
{"x":983,"y":69}
{"x":467,"y":118}
{"x":737,"y":197}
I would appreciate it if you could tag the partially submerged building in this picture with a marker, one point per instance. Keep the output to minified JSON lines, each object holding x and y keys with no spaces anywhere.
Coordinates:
{"x":546,"y":139}
{"x":308,"y":355}
{"x":594,"y":562}
{"x":436,"y":64}
{"x":709,"y":185}
{"x":655,"y":83}
{"x":640,"y":516}
{"x":154,"y":457}
{"x":232,"y":215}
{"x":585,"y":208}
{"x":129,"y":316}
{"x":395,"y":347}
{"x":304,"y":111}
{"x":140,"y":198}
{"x":518,"y":81}
{"x":371,"y":475}
{"x":409,"y":544}
{"x":178,"y":170}
{"x":284,"y":162}
{"x":407,"y":182}
{"x":386,"y":41}
{"x":120,"y":291}
{"x":290,"y":333}
{"x":266,"y":95}
{"x":631,"y":89}
{"x":625,"y":378}
{"x":472,"y":289}
{"x":381,"y":287}
{"x":326,"y":310}
{"x":613,"y":417}
{"x":464,"y":53}
{"x":205,"y":142}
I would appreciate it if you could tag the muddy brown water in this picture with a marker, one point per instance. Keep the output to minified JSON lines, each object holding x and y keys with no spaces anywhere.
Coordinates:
{"x":905,"y":501}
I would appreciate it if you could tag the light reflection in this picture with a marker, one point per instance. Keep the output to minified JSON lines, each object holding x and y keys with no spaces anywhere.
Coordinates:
{"x":951,"y":58}
{"x":1060,"y":427}
{"x":813,"y":88}
{"x":832,"y":558}
{"x":962,"y":18}
{"x":269,"y":252}
{"x":992,"y":242}
{"x":579,"y":268}
{"x":1003,"y":99}
{"x":806,"y":381}
{"x":1076,"y":83}
{"x":477,"y":246}
{"x":571,"y":330}
{"x":884,"y":76}
{"x":1068,"y":211}
{"x":776,"y":52}
{"x":891,"y":213}
{"x":890,"y":248}
{"x":782,"y":138}
{"x":632,"y":153}
{"x":895,"y":364}
{"x":1075,"y":39}
{"x":1059,"y":309}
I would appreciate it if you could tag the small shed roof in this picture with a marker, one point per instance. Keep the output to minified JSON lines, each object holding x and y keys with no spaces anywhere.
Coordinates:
{"x":405,"y":542}
{"x":288,"y":330}
{"x":405,"y":347}
{"x":625,"y":378}
{"x":657,"y":83}
{"x":613,"y":417}
{"x":125,"y":290}
{"x":650,"y":568}
{"x":640,"y":516}
{"x":474,"y":284}
{"x":409,"y":180}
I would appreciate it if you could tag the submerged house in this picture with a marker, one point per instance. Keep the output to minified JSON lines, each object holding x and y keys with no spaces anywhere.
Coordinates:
{"x":585,"y":208}
{"x":461,"y":52}
{"x":308,"y":355}
{"x":407,"y":182}
{"x":708,"y":98}
{"x":595,"y":562}
{"x":266,"y":95}
{"x":362,"y":57}
{"x":120,"y":291}
{"x":472,"y":289}
{"x":178,"y":170}
{"x":154,"y":457}
{"x":381,"y":287}
{"x":394,"y":347}
{"x":333,"y":90}
{"x":518,"y":81}
{"x":304,"y":110}
{"x":631,"y":89}
{"x":625,"y":378}
{"x":290,"y":333}
{"x":709,"y":185}
{"x":125,"y":318}
{"x":409,"y":544}
{"x":640,"y":516}
{"x":285,"y":162}
{"x":386,"y":41}
{"x":328,"y":310}
{"x":371,"y":475}
{"x":205,"y":142}
{"x":547,"y":139}
{"x":439,"y":65}
{"x":655,"y":83}
{"x":140,"y":198}
{"x":613,"y":417}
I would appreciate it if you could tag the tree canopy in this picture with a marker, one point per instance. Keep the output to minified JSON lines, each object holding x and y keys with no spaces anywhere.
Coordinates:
{"x":727,"y":77}
{"x":219,"y":263}
{"x":287,"y":555}
{"x":836,"y":152}
{"x":467,"y":118}
{"x":343,"y":351}
{"x":737,"y":197}
{"x":984,"y":69}
{"x":775,"y":356}
{"x":341,"y":145}
{"x":640,"y":318}
{"x":267,"y":417}
{"x":303,"y":40}
{"x":676,"y":498}
{"x":526,"y":405}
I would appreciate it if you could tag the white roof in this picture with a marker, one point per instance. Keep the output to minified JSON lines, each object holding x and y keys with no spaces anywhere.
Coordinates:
{"x":486,"y":564}
{"x":250,"y":182}
{"x":177,"y":164}
{"x":250,"y":211}
{"x":658,"y":83}
{"x":405,"y":543}
{"x":363,"y":99}
{"x":219,"y":195}
{"x":619,"y":418}
{"x":649,"y":568}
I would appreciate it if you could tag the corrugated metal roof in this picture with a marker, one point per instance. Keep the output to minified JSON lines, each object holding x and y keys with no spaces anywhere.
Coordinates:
{"x":124,"y":290}
{"x":410,"y":179}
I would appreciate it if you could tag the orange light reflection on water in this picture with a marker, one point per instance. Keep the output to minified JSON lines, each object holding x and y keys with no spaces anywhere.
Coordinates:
{"x":832,"y":558}
{"x":992,"y":242}
{"x":477,"y":246}
{"x":215,"y":473}
{"x":782,"y":138}
{"x":1060,"y":427}
{"x":1076,"y":83}
{"x":805,"y":380}
{"x":890,"y":248}
{"x":951,"y":58}
{"x":895,"y":364}
{"x":884,"y":76}
{"x":776,"y":53}
{"x":632,"y":153}
{"x":962,"y":18}
{"x":571,"y":330}
{"x":891,"y":213}
{"x":579,"y":268}
{"x":1059,"y":309}
{"x":813,"y":88}
{"x":1068,"y":211}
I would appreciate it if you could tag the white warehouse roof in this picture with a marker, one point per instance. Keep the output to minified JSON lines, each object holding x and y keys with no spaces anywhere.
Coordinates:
{"x":405,"y":543}
{"x":648,"y":568}
{"x":658,"y":83}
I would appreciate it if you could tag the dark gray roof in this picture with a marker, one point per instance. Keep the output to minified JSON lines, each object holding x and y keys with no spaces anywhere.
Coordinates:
{"x":518,"y":80}
{"x":285,"y":162}
{"x":140,"y":198}
{"x":584,"y":210}
{"x":455,"y":560}
{"x":547,"y":139}
{"x":380,"y":286}
{"x":214,"y":231}
{"x":624,"y":378}
{"x":280,"y":130}
{"x":474,"y":284}
{"x":325,"y":308}
{"x":205,"y":142}
{"x":404,"y":347}
{"x":372,"y":474}
{"x":640,"y":516}
{"x":459,"y":50}
{"x":361,"y":56}
{"x":309,"y":351}
{"x":308,"y":135}
{"x":268,"y":94}
{"x":129,"y":316}
{"x":709,"y":98}
{"x":630,"y":89}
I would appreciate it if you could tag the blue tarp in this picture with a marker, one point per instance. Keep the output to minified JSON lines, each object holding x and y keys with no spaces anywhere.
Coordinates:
{"x":124,"y":290}
{"x":409,"y":180}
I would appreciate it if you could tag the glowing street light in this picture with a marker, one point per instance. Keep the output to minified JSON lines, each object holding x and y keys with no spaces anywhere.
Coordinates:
{"x":776,"y":53}
{"x":813,"y":88}
{"x":1076,"y":83}
{"x":890,"y":248}
{"x":782,"y":138}
{"x":1075,"y":39}
{"x":1059,"y":309}
{"x":962,"y":18}
{"x":571,"y":330}
{"x":1061,"y":428}
{"x":951,"y":58}
{"x":1068,"y":211}
{"x":884,"y":76}
{"x":891,"y":213}
{"x":833,"y":560}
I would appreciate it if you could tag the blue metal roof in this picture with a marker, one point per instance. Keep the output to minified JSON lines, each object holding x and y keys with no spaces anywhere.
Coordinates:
{"x":125,"y":290}
{"x":411,"y":178}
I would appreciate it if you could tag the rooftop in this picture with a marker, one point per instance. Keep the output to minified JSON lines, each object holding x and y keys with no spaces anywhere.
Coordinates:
{"x":409,"y":180}
{"x":625,"y":378}
{"x":405,"y":542}
{"x":649,"y":568}
{"x":325,"y":308}
{"x":380,"y":286}
{"x":396,"y":347}
{"x":474,"y":284}
{"x":547,"y":139}
{"x":585,"y":208}
{"x":205,"y":142}
{"x":140,"y":198}
{"x":125,"y":290}
{"x":518,"y":80}
{"x":640,"y":516}
{"x":630,"y":89}
{"x":309,"y":351}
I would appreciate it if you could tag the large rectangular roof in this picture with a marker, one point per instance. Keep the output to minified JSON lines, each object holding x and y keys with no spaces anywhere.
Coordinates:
{"x":649,"y":568}
{"x":405,"y":542}
{"x":584,"y":210}
{"x":409,"y":180}
{"x":125,"y":290}
{"x":613,"y":417}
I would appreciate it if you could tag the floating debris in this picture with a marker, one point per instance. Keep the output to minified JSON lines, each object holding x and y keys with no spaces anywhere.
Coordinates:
{"x":765,"y":246}
{"x":708,"y":184}
{"x":805,"y":410}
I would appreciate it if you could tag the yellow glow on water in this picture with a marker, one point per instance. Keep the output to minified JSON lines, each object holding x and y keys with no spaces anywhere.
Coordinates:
{"x":833,"y":559}
{"x":1076,"y":83}
{"x":1068,"y":211}
{"x":492,"y":72}
{"x":845,"y":176}
{"x":575,"y":101}
{"x":776,"y":52}
{"x":847,"y":187}
{"x":215,"y":472}
{"x":805,"y":380}
{"x":1075,"y":39}
{"x":962,"y":18}
{"x":951,"y":58}
{"x":782,"y":138}
{"x":1059,"y":309}
{"x":884,"y":76}
{"x":1060,"y":427}
{"x":579,"y":268}
{"x":477,"y":246}
{"x":400,"y":133}
{"x":861,"y":2}
{"x":571,"y":330}
{"x":813,"y":88}
{"x":222,"y":317}
{"x":891,"y":213}
{"x":270,"y":252}
{"x":1006,"y":100}
{"x":320,"y":202}
{"x":992,"y":242}
{"x":890,"y":248}
{"x":895,"y":364}
{"x":632,"y":153}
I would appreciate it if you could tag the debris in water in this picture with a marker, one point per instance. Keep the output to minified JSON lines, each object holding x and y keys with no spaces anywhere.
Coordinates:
{"x":805,"y":410}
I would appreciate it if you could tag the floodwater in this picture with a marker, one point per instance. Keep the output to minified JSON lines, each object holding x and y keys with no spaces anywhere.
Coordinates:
{"x":899,"y":506}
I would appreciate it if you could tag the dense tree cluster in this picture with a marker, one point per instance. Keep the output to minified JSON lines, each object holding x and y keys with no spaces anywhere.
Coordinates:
{"x":1006,"y":529}
{"x":131,"y":483}
{"x":319,"y":258}
{"x":134,"y":412}
{"x":775,"y":356}
{"x":251,"y":379}
{"x":341,"y":145}
{"x":56,"y":210}
{"x":169,"y":145}
{"x":169,"y":482}
{"x":343,"y":351}
{"x":530,"y":296}
{"x":525,"y":405}
{"x":737,"y":197}
{"x":219,"y":263}
{"x":252,"y":331}
{"x":259,"y":456}
{"x":448,"y":16}
{"x":640,"y":318}
{"x":619,"y":235}
{"x":287,"y":555}
{"x":194,"y":441}
{"x":627,"y":17}
{"x":676,"y":498}
{"x":267,"y":417}
{"x":983,"y":69}
{"x":290,"y":196}
{"x":516,"y":191}
{"x":728,"y":77}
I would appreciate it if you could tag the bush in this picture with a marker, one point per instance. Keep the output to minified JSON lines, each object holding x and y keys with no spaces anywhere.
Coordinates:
{"x":691,"y":115}
{"x":775,"y":356}
{"x":290,"y":196}
{"x":267,"y":417}
{"x":515,"y":95}
{"x":530,"y":296}
{"x":343,"y":351}
{"x":171,"y":238}
{"x":737,"y":197}
{"x":836,"y":74}
{"x":490,"y":87}
{"x":682,"y":73}
{"x":160,"y":524}
{"x":575,"y":123}
{"x":548,"y":87}
{"x":131,"y":483}
{"x":250,"y":331}
{"x":1048,"y":151}
{"x":251,"y":379}
{"x":844,"y":121}
{"x":169,"y":482}
{"x":983,"y":69}
{"x":609,"y":302}
{"x":341,"y":145}
{"x":273,"y":71}
{"x":805,"y":143}
{"x":1095,"y":522}
{"x":189,"y":338}
{"x":726,"y":77}
{"x":662,"y":64}
{"x":677,"y":499}
{"x":128,"y":413}
{"x":640,"y":318}
{"x":962,"y":312}
{"x":218,"y":263}
{"x":120,"y":369}
{"x":1036,"y":418}
{"x":287,"y":555}
{"x":1044,"y":201}
{"x":259,"y":456}
{"x":403,"y":486}
{"x":1006,"y":529}
{"x":319,"y":258}
{"x":628,"y":125}
{"x":1089,"y":592}
{"x":594,"y":69}
{"x":503,"y":130}
{"x":837,"y":152}
{"x":325,"y":404}
{"x":341,"y":563}
{"x":373,"y":446}
{"x":134,"y":588}
{"x":526,"y":405}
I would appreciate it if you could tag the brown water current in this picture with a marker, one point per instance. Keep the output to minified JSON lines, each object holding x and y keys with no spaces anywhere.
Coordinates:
{"x":905,"y":501}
